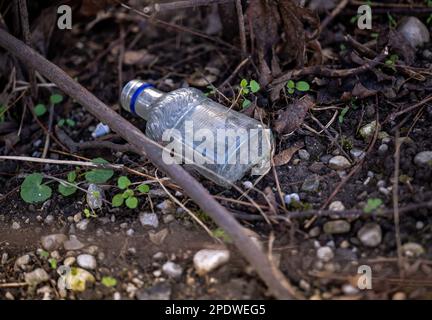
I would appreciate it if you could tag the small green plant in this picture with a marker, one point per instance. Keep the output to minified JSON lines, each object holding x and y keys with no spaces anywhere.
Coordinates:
{"x":53,"y":263}
{"x":68,"y":122}
{"x":109,"y":282}
{"x":32,"y":189}
{"x":44,"y":254}
{"x":56,"y":98}
{"x":391,"y":21}
{"x":246,"y":88}
{"x":89,"y":213}
{"x":210,"y":90}
{"x":391,"y":62}
{"x":221,"y":234}
{"x":301,"y":86}
{"x":67,"y":189}
{"x":99,"y":175}
{"x":128,"y":195}
{"x":372,"y":204}
{"x":342,"y":114}
{"x":40,"y":109}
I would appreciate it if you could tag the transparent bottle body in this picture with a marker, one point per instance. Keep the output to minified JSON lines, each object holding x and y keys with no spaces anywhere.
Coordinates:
{"x":219,"y":143}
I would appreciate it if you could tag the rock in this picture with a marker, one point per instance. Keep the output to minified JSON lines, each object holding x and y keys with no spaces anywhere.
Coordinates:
{"x":168,"y":218}
{"x":22,"y":261}
{"x":160,"y":291}
{"x":339,"y":163}
{"x":414,"y":31}
{"x":166,"y":206}
{"x":130,"y":232}
{"x":412,"y":249}
{"x":304,"y":154}
{"x":368,"y":130}
{"x":53,"y":241}
{"x":336,"y":206}
{"x":86,"y":261}
{"x":15,"y":225}
{"x":207,"y":260}
{"x":311,"y":183}
{"x":4,"y":258}
{"x":382,"y":149}
{"x":69,"y":261}
{"x":149,"y":220}
{"x":73,"y":244}
{"x":370,"y":234}
{"x":423,"y":158}
{"x":399,"y":296}
{"x":357,"y":154}
{"x":94,"y":196}
{"x":247,"y":185}
{"x":420,"y":225}
{"x":325,"y":254}
{"x":348,"y":289}
{"x":172,"y":269}
{"x":336,"y":227}
{"x":83,"y":224}
{"x":314,"y":232}
{"x":291,"y":198}
{"x":35,"y":277}
{"x":75,"y":280}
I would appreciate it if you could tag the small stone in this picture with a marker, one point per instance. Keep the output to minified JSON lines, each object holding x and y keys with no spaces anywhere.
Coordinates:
{"x":368,"y":130}
{"x":370,"y":234}
{"x":15,"y":225}
{"x":325,"y":254}
{"x":130,"y":232}
{"x":4,"y":258}
{"x":86,"y":261}
{"x":77,"y":217}
{"x":304,"y":154}
{"x":149,"y":220}
{"x":160,"y":291}
{"x":9,"y":296}
{"x":314,"y":232}
{"x":399,"y":296}
{"x":53,"y":241}
{"x":336,"y":227}
{"x":423,"y":158}
{"x":166,"y":207}
{"x":207,"y":260}
{"x":22,"y":261}
{"x":73,"y":244}
{"x":311,"y":183}
{"x":69,"y":261}
{"x":414,"y":31}
{"x":49,"y":219}
{"x":158,"y":255}
{"x":348,"y":289}
{"x":339,"y":163}
{"x":83,"y":224}
{"x":336,"y":206}
{"x":357,"y":154}
{"x":291,"y":198}
{"x":168,"y":218}
{"x":382,"y":149}
{"x":247,"y":185}
{"x":412,"y":249}
{"x":172,"y":269}
{"x":420,"y":225}
{"x":116,"y":296}
{"x":303,"y":284}
{"x":94,"y":196}
{"x":35,"y":277}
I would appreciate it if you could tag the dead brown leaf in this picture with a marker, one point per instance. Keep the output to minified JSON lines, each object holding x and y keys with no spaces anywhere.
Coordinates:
{"x":141,"y":57}
{"x":285,"y":156}
{"x":293,"y":116}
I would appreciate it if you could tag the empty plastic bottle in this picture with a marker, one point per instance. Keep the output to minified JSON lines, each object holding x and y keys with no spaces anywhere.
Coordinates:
{"x":220,"y":143}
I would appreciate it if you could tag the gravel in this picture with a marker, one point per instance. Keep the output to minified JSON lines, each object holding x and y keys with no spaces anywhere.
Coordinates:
{"x":149,"y":220}
{"x":336,"y":227}
{"x":73,"y":244}
{"x":35,"y":277}
{"x":53,"y":241}
{"x":207,"y":260}
{"x":325,"y":254}
{"x":370,"y":234}
{"x":86,"y":261}
{"x":414,"y":31}
{"x":172,"y":269}
{"x":423,"y":158}
{"x":339,"y":163}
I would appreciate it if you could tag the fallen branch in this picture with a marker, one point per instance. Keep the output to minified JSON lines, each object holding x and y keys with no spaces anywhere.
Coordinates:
{"x":274,"y":279}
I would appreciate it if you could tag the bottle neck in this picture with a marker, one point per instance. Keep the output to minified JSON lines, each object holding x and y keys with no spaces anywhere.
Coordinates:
{"x":138,"y":97}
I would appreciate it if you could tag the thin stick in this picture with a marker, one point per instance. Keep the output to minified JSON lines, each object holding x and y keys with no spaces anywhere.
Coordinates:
{"x":333,"y":14}
{"x":176,"y":5}
{"x":396,"y":202}
{"x":50,"y":123}
{"x":275,"y":280}
{"x":241,"y":24}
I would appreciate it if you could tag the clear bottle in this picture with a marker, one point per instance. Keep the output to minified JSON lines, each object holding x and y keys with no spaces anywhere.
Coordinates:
{"x":219,"y":143}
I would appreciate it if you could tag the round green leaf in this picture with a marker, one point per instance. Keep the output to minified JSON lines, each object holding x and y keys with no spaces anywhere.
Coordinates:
{"x":246,"y":103}
{"x":117,"y":200}
{"x":143,"y":188}
{"x":132,"y":202}
{"x":71,"y":176}
{"x":40,"y":109}
{"x":291,"y":91}
{"x":291,"y":84}
{"x":66,"y":190}
{"x":254,"y":86}
{"x":32,"y":189}
{"x":56,"y":98}
{"x":70,"y":122}
{"x":123,"y":182}
{"x":302,"y":86}
{"x":243,"y":83}
{"x":127,"y":193}
{"x":61,"y":122}
{"x":109,"y":282}
{"x":99,"y":175}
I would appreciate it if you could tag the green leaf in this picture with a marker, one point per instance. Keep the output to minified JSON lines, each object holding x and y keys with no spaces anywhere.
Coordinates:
{"x":302,"y":86}
{"x":291,"y":90}
{"x":40,"y":109}
{"x":254,"y":86}
{"x":123,"y":182}
{"x":127,"y":193}
{"x":243,"y":83}
{"x":117,"y":200}
{"x":56,"y":98}
{"x":71,"y":176}
{"x":291,"y":84}
{"x":143,"y":188}
{"x":246,"y":103}
{"x":66,"y":190}
{"x":109,"y":282}
{"x":32,"y":189}
{"x":61,"y":122}
{"x":44,"y":254}
{"x":372,"y":205}
{"x":99,"y":175}
{"x":342,"y":114}
{"x":70,"y":122}
{"x":132,"y":202}
{"x":53,"y":263}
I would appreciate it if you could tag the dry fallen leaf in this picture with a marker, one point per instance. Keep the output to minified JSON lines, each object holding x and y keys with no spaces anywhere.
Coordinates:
{"x":285,"y":156}
{"x":293,"y":117}
{"x":158,"y":237}
{"x":141,"y":57}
